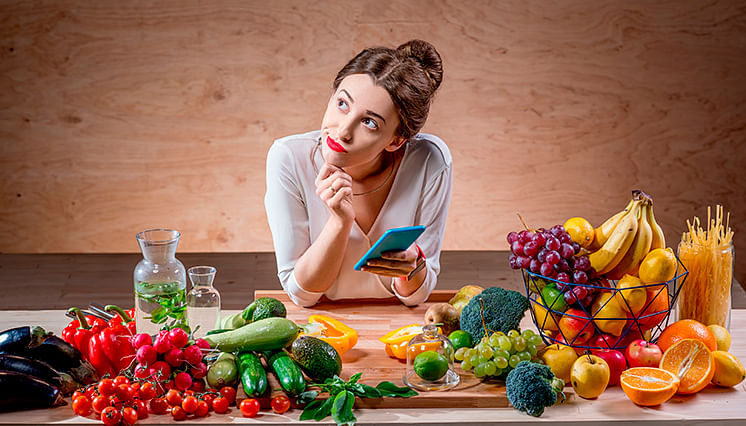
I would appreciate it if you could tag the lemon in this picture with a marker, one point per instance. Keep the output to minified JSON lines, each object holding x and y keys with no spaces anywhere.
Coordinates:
{"x":658,"y":266}
{"x":581,"y":231}
{"x":728,"y":369}
{"x":722,"y":337}
{"x":460,"y":339}
{"x":430,"y":365}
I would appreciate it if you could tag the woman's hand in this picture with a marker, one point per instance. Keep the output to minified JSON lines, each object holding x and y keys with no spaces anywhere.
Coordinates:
{"x":334,"y":187}
{"x":393,"y":263}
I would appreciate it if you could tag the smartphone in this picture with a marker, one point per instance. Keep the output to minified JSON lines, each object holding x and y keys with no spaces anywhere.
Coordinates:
{"x":393,"y":239}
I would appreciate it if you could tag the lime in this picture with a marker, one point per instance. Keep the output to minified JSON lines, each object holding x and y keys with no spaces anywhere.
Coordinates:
{"x":460,"y":339}
{"x":430,"y":365}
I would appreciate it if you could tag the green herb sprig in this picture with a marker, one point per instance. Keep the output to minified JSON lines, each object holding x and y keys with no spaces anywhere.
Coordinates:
{"x":342,"y":397}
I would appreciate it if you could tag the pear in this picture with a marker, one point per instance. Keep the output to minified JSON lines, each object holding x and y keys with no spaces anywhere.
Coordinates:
{"x":463,"y":296}
{"x":445,"y":314}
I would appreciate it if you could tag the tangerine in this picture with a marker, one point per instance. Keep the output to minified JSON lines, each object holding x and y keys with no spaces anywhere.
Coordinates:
{"x":686,"y":329}
{"x":692,"y":362}
{"x":581,"y":231}
{"x":649,"y":386}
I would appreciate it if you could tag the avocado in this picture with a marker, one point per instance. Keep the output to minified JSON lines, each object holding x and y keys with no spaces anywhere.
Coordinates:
{"x":318,"y":359}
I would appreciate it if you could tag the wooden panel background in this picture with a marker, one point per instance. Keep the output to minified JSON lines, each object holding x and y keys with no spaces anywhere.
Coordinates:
{"x":118,"y":116}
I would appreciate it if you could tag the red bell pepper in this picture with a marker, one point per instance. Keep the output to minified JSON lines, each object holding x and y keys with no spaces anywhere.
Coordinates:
{"x":98,"y":358}
{"x":116,"y":340}
{"x":79,"y":332}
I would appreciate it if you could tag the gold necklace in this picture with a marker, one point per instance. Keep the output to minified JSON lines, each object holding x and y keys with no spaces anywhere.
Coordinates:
{"x":391,"y":170}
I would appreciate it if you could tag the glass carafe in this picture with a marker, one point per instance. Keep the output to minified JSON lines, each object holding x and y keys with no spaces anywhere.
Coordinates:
{"x":203,"y":301}
{"x":430,"y":361}
{"x":160,"y":283}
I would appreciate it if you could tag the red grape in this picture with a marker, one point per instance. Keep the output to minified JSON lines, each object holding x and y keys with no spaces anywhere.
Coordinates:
{"x":517,"y":248}
{"x":569,"y":297}
{"x":580,"y":292}
{"x":562,"y":266}
{"x":557,"y":230}
{"x":565,"y":238}
{"x":553,"y":244}
{"x":541,"y":256}
{"x":513,"y":261}
{"x":530,"y":249}
{"x":512,"y":237}
{"x":582,"y":263}
{"x":535,"y":266}
{"x":566,"y":251}
{"x":579,"y":277}
{"x":523,"y":262}
{"x":539,"y":239}
{"x":524,"y":236}
{"x":546,"y":269}
{"x":552,"y":258}
{"x":564,"y":277}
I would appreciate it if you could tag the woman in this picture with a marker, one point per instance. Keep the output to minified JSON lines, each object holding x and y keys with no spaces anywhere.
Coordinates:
{"x":332,"y":193}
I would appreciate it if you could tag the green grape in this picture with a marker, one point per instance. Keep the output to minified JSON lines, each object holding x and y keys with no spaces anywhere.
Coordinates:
{"x":479,"y":370}
{"x":478,"y":347}
{"x":514,"y":360}
{"x":519,"y":343}
{"x":536,"y":340}
{"x":466,"y":365}
{"x":524,"y":356}
{"x":527,"y":333}
{"x":460,"y":354}
{"x":474,"y":359}
{"x":489,"y":368}
{"x":531,"y":348}
{"x":513,"y":333}
{"x":494,"y":340}
{"x":501,"y":353}
{"x":469,"y":353}
{"x":498,"y":371}
{"x":483,"y":359}
{"x":505,"y":343}
{"x":501,"y":362}
{"x":486,"y":353}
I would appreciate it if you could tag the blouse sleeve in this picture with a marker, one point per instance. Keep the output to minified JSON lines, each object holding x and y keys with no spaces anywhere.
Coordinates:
{"x":433,"y":212}
{"x":288,"y":220}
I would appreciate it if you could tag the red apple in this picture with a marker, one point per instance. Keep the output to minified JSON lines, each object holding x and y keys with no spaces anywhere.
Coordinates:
{"x":603,"y":341}
{"x":616,"y":362}
{"x":576,"y":326}
{"x":641,"y":353}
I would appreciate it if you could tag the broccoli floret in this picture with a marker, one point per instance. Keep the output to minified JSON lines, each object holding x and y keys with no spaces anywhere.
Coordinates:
{"x":264,"y":307}
{"x":531,"y":387}
{"x":502,"y":310}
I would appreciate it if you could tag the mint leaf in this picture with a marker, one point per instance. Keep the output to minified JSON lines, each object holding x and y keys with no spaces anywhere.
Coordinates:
{"x":342,"y":409}
{"x":390,"y":389}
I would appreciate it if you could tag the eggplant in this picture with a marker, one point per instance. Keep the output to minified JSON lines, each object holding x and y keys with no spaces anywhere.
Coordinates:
{"x":40,"y":370}
{"x":19,"y":338}
{"x":63,"y":357}
{"x":21,"y":391}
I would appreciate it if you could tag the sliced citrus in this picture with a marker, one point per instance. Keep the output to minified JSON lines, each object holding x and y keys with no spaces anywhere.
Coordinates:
{"x":649,"y":386}
{"x":692,"y":362}
{"x":686,"y":329}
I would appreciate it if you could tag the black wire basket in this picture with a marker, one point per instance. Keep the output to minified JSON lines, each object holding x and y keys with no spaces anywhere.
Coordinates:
{"x":650,"y":319}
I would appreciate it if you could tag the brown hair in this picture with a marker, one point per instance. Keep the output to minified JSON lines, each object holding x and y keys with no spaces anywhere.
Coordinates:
{"x":411,"y":74}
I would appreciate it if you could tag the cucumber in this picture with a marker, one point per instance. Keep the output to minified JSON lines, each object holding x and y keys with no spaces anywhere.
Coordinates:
{"x":288,"y":371}
{"x":253,"y":376}
{"x":223,"y":372}
{"x":264,"y":335}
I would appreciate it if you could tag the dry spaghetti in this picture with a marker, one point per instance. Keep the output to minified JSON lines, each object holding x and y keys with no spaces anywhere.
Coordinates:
{"x":708,"y":256}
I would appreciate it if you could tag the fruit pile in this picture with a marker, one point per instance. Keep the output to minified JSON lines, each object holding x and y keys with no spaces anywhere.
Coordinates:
{"x":495,"y":355}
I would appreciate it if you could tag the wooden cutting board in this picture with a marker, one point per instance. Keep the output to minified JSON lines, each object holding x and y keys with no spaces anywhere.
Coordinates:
{"x":374,"y":318}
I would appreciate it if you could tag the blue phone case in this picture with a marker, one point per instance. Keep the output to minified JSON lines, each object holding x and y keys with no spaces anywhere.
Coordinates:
{"x":393,"y":239}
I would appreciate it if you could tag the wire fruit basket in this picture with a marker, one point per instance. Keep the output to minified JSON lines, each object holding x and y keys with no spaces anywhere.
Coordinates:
{"x":585,"y":327}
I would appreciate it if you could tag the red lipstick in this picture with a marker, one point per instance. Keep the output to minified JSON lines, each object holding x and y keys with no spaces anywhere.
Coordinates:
{"x":334,"y":146}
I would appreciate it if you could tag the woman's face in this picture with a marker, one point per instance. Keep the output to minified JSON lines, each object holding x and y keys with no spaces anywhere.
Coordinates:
{"x":359,"y":123}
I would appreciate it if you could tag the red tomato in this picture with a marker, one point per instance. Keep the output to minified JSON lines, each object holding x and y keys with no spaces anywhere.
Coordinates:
{"x":99,"y":403}
{"x":208,"y":398}
{"x":142,"y":409}
{"x":229,"y":393}
{"x":280,"y":404}
{"x":173,"y":397}
{"x":158,"y":406}
{"x":77,"y":393}
{"x":202,"y":409}
{"x":124,"y":392}
{"x":82,"y":406}
{"x":147,"y":391}
{"x":129,"y":416}
{"x":121,"y":380}
{"x":189,"y":404}
{"x":106,"y":387}
{"x":135,"y":387}
{"x":178,"y":413}
{"x":249,"y":407}
{"x":91,"y":392}
{"x":220,"y":405}
{"x":110,"y":416}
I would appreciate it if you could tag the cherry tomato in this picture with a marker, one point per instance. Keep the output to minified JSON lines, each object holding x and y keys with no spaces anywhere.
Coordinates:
{"x":77,"y":393}
{"x":116,"y":401}
{"x":99,"y":403}
{"x":189,"y":392}
{"x":106,"y":387}
{"x":91,"y":392}
{"x":110,"y":416}
{"x":158,"y":406}
{"x":208,"y":398}
{"x":147,"y":391}
{"x":82,"y":406}
{"x":189,"y":404}
{"x":129,"y":416}
{"x":124,"y":392}
{"x":249,"y":407}
{"x":135,"y":387}
{"x":173,"y":397}
{"x":229,"y":393}
{"x":142,"y":409}
{"x":220,"y":404}
{"x":178,"y":413}
{"x":121,"y":380}
{"x":202,"y":409}
{"x":280,"y":404}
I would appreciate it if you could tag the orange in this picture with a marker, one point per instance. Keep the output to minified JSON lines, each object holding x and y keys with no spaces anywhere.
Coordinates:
{"x":649,"y":386}
{"x":692,"y":362}
{"x":686,"y":329}
{"x":581,"y":231}
{"x":657,"y":302}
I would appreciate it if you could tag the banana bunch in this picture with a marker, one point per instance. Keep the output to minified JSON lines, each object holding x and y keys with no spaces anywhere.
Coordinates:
{"x":622,"y":241}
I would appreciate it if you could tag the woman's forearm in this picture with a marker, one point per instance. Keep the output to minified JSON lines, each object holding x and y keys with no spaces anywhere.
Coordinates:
{"x":318,"y":268}
{"x":406,"y":287}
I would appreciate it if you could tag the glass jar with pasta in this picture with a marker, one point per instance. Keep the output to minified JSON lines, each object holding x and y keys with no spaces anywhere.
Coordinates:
{"x":708,"y":256}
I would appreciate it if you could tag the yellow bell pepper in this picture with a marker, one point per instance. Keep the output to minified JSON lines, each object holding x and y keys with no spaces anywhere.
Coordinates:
{"x":403,"y":349}
{"x":334,"y":332}
{"x":402,"y":334}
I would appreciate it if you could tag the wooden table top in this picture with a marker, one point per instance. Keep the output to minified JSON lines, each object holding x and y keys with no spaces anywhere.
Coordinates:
{"x":718,"y":405}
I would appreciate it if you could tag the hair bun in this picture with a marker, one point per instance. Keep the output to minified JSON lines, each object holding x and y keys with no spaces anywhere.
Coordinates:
{"x":427,"y":57}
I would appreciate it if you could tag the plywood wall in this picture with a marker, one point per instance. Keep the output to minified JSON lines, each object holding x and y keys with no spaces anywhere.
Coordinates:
{"x":119,"y":116}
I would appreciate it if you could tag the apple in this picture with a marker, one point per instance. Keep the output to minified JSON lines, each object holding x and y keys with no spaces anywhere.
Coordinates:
{"x":617,"y":363}
{"x":641,"y":353}
{"x":589,"y":376}
{"x":559,"y":358}
{"x":603,"y":341}
{"x":576,"y":326}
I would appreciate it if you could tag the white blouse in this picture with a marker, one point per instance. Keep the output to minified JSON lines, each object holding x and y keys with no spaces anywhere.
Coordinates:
{"x":419,"y":195}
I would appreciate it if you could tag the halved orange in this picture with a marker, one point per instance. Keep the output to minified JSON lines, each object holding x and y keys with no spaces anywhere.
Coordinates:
{"x":692,"y":362}
{"x":649,"y":386}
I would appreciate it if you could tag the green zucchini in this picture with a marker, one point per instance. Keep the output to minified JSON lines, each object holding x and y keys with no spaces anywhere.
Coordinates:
{"x":264,"y":335}
{"x":287,"y":371}
{"x":253,"y":376}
